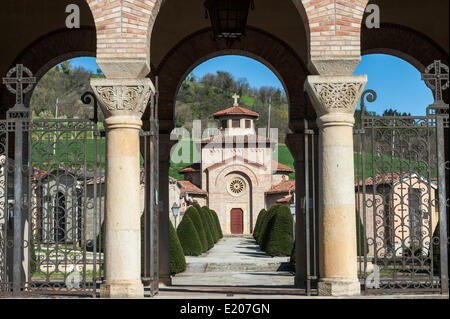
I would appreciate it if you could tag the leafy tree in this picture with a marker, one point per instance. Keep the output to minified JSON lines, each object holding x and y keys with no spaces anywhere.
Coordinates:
{"x":207,"y":226}
{"x":257,"y":228}
{"x":217,"y":221}
{"x":263,"y":235}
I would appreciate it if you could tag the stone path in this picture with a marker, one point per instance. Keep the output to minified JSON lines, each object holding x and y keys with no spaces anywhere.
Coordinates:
{"x":236,"y":261}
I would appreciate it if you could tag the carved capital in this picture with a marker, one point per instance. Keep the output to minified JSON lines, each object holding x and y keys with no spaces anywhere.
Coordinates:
{"x":335,"y":94}
{"x":123,"y":96}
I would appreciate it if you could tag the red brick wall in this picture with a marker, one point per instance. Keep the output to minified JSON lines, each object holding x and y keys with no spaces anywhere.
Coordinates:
{"x":124,"y":26}
{"x":335,"y":26}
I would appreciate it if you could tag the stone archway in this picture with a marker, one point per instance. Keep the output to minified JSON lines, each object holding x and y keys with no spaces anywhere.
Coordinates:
{"x":259,"y":45}
{"x":47,"y":52}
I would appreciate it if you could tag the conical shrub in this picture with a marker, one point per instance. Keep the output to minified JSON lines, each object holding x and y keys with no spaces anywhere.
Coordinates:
{"x":262,"y":236}
{"x":257,"y":229}
{"x":188,"y":236}
{"x":219,"y":228}
{"x":214,"y":226}
{"x":207,"y":227}
{"x":194,"y":214}
{"x":177,"y":261}
{"x":214,"y":234}
{"x":280,"y":236}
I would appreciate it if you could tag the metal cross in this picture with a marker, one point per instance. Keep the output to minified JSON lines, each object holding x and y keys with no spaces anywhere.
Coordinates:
{"x":19,"y":80}
{"x":434,"y":81}
{"x":236,"y":97}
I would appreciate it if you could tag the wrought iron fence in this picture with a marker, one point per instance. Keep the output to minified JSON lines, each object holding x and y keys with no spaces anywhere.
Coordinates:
{"x":52,"y":192}
{"x":401,"y":202}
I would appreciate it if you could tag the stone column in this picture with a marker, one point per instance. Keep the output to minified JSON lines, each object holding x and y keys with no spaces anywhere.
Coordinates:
{"x":335,"y":99}
{"x":123,"y":102}
{"x":165,"y":145}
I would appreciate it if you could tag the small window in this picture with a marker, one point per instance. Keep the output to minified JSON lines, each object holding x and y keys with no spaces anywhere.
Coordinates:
{"x":224,"y":123}
{"x":248,"y":124}
{"x":236,"y":123}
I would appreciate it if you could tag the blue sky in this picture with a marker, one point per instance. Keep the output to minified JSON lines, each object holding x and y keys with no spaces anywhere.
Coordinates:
{"x":397,"y":83}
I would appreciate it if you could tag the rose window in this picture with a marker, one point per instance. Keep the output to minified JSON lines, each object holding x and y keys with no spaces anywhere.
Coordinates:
{"x":236,"y":186}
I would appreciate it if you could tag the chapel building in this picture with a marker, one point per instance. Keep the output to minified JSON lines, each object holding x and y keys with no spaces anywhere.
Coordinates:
{"x":237,"y":176}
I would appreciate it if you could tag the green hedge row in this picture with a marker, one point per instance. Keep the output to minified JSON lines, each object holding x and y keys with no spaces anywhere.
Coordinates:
{"x":199,"y":230}
{"x":273,"y":231}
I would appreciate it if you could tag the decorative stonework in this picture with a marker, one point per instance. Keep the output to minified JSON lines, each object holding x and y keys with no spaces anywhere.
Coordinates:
{"x":335,"y":94}
{"x":123,"y":96}
{"x":236,"y":186}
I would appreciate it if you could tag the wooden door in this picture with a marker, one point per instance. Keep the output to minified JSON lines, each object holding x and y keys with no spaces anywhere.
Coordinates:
{"x":237,"y":221}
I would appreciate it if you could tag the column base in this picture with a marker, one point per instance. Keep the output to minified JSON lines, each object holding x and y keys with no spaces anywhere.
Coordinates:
{"x":165,"y":281}
{"x":339,"y":287}
{"x":127,"y":289}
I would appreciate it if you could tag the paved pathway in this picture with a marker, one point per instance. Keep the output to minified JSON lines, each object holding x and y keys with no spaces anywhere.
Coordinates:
{"x":235,"y":261}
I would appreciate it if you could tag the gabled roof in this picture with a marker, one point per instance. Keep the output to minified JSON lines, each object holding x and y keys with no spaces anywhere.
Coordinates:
{"x":281,"y":168}
{"x":285,"y":199}
{"x":232,"y":160}
{"x":190,"y":169}
{"x":283,"y":187}
{"x":188,"y":187}
{"x":235,"y":110}
{"x":392,"y":178}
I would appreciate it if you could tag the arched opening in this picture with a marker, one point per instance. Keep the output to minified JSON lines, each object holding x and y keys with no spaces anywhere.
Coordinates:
{"x":238,"y":180}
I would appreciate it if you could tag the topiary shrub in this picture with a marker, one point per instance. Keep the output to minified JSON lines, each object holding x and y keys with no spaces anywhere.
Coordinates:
{"x":211,"y":224}
{"x":188,"y":236}
{"x":219,"y":228}
{"x":279,"y":233}
{"x":207,"y":227}
{"x":194,"y":214}
{"x":177,"y":261}
{"x":262,"y":236}
{"x":257,"y":229}
{"x":214,"y":226}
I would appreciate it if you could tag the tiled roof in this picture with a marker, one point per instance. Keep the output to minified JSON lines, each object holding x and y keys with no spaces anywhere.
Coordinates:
{"x":236,"y":110}
{"x":187,"y":186}
{"x":390,"y":178}
{"x":191,"y":168}
{"x":281,"y":167}
{"x":285,"y":199}
{"x":238,"y":139}
{"x":283,"y":187}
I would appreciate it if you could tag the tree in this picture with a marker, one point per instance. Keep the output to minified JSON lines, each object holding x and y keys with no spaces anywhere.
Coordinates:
{"x":188,"y":237}
{"x":257,"y":228}
{"x":219,"y":228}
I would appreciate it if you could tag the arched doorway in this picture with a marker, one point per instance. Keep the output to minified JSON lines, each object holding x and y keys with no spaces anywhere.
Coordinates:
{"x":236,"y":221}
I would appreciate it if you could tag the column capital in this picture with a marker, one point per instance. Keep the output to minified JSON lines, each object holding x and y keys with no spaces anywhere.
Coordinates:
{"x":335,"y":97}
{"x":123,"y":97}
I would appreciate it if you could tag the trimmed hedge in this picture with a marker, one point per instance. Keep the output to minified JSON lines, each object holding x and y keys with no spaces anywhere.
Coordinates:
{"x":211,"y":224}
{"x":257,"y":229}
{"x":188,"y":236}
{"x":262,"y":237}
{"x":214,"y":226}
{"x":279,"y":238}
{"x":194,"y":214}
{"x":207,"y":227}
{"x":217,"y":221}
{"x":177,"y":261}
